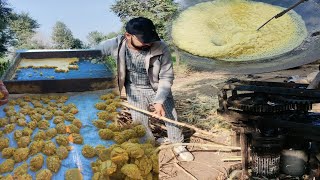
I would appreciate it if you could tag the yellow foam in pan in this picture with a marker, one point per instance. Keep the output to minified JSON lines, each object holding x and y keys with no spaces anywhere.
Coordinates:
{"x":227,"y":30}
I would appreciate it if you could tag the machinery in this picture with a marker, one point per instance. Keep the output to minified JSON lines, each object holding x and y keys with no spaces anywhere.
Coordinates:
{"x":278,"y":134}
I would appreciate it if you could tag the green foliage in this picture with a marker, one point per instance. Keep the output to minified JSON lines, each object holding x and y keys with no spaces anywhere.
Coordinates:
{"x":63,"y":38}
{"x":23,"y":27}
{"x":111,"y":63}
{"x":159,"y":11}
{"x":4,"y":64}
{"x":5,"y":33}
{"x":95,"y":37}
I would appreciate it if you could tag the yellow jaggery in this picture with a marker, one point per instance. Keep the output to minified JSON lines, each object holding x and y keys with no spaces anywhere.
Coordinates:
{"x":58,"y":119}
{"x":73,"y":129}
{"x":144,"y":164}
{"x":62,"y":140}
{"x":43,"y":124}
{"x":133,"y":149}
{"x":100,"y":124}
{"x":4,"y":143}
{"x":27,"y":131}
{"x":21,"y":154}
{"x":9,"y":128}
{"x":100,"y":106}
{"x":53,"y":163}
{"x":59,"y":64}
{"x":106,"y":134}
{"x":3,"y":122}
{"x":88,"y":151}
{"x":69,"y":116}
{"x":41,"y":135}
{"x":21,"y":170}
{"x":61,"y":128}
{"x":114,"y":127}
{"x":22,"y":122}
{"x":49,"y":148}
{"x":24,"y":141}
{"x":119,"y":155}
{"x":59,"y":113}
{"x":108,"y":168}
{"x":7,"y":166}
{"x":140,"y":130}
{"x":132,"y":171}
{"x":8,"y":152}
{"x":36,"y":117}
{"x":77,"y":123}
{"x":76,"y":138}
{"x":36,"y":162}
{"x":44,"y":174}
{"x":73,"y":174}
{"x":51,"y":133}
{"x":227,"y":30}
{"x":17,"y":134}
{"x":62,"y":152}
{"x":32,"y":125}
{"x":74,"y":110}
{"x":36,"y":147}
{"x":155,"y":162}
{"x":23,"y":177}
{"x":48,"y":115}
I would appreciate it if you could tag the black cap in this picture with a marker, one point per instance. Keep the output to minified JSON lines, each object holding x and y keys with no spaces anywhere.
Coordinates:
{"x":143,"y":28}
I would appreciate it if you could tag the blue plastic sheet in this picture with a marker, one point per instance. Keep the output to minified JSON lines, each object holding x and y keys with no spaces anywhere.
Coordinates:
{"x":85,"y":102}
{"x":87,"y":69}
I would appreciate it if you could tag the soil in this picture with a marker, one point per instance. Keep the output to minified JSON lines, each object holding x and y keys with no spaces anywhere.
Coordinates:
{"x":208,"y":164}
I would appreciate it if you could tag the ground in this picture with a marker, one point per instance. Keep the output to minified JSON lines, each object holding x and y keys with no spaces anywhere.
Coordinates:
{"x":196,"y":100}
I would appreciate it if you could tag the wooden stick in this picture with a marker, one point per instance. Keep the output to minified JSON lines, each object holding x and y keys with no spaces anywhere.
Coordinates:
{"x":167,"y":120}
{"x":229,"y":159}
{"x":216,"y":147}
{"x":182,"y":168}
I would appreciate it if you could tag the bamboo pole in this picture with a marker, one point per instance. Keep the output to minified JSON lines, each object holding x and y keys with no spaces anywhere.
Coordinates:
{"x":167,"y":120}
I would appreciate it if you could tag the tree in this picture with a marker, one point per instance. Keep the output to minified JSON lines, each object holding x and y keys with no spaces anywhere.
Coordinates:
{"x":24,"y":28}
{"x":159,"y":11}
{"x":5,"y":33}
{"x":63,"y":39}
{"x":95,"y":37}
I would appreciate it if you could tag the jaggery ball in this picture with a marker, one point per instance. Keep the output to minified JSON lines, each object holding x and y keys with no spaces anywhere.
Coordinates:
{"x":7,"y":166}
{"x":53,"y":163}
{"x":133,"y":149}
{"x":74,"y":129}
{"x":77,"y":123}
{"x":58,"y":119}
{"x":119,"y":155}
{"x":62,"y":152}
{"x":88,"y":151}
{"x":61,"y":128}
{"x":48,"y":115}
{"x":36,"y":117}
{"x":144,"y":164}
{"x":22,"y":122}
{"x":62,"y":140}
{"x":24,"y":141}
{"x":36,"y":162}
{"x":43,"y":124}
{"x":27,"y":131}
{"x":8,"y":152}
{"x":41,"y":135}
{"x":107,"y":96}
{"x":17,"y":134}
{"x":3,"y":122}
{"x":44,"y":174}
{"x":155,"y":162}
{"x":32,"y":125}
{"x":102,"y":152}
{"x":21,"y":154}
{"x":119,"y":137}
{"x":114,"y":127}
{"x":4,"y":143}
{"x":108,"y":168}
{"x":20,"y":170}
{"x":132,"y":171}
{"x":69,"y":116}
{"x":140,"y":130}
{"x":59,"y":113}
{"x":100,"y":106}
{"x":76,"y":138}
{"x":36,"y":147}
{"x":106,"y":134}
{"x":51,"y":133}
{"x":73,"y":174}
{"x":9,"y":128}
{"x":49,"y":148}
{"x":41,"y":111}
{"x":65,"y":108}
{"x":100,"y":124}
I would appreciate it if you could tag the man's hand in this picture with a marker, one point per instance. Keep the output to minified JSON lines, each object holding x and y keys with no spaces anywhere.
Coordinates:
{"x":159,"y":110}
{"x":5,"y":93}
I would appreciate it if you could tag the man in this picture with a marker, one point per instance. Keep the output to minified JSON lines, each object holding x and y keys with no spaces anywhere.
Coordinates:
{"x":145,"y":70}
{"x":5,"y":94}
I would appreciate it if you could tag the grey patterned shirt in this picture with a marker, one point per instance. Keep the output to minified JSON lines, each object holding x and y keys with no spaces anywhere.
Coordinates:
{"x":136,"y":73}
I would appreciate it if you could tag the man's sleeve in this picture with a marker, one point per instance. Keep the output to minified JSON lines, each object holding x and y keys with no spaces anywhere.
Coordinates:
{"x":166,"y":77}
{"x":108,"y":47}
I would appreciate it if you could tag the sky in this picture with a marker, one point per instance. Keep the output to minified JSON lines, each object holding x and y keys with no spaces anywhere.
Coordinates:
{"x":80,"y":16}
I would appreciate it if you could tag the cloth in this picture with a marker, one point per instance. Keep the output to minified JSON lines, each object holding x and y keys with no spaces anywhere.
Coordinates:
{"x":135,"y":67}
{"x":142,"y":98}
{"x":158,"y":65}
